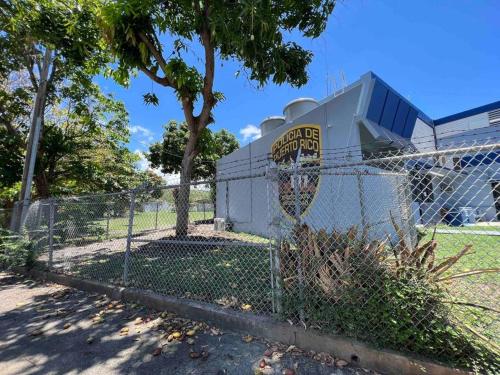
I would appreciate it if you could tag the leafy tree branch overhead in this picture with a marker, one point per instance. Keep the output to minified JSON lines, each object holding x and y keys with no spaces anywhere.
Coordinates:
{"x":253,"y":32}
{"x":83,"y":135}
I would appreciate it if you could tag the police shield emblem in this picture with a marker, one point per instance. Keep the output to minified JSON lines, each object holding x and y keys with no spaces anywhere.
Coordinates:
{"x":299,"y":146}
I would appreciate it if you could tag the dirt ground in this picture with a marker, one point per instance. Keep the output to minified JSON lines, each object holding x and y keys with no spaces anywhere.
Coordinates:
{"x":50,"y":329}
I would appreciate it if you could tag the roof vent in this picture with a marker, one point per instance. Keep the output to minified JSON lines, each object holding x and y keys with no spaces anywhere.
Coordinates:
{"x":298,"y":107}
{"x":494,"y":117}
{"x":270,"y":123}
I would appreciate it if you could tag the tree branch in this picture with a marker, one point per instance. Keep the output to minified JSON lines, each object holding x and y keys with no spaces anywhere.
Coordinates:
{"x":159,"y":58}
{"x":162,"y":81}
{"x":53,"y":71}
{"x":29,"y":68}
{"x":208,"y":80}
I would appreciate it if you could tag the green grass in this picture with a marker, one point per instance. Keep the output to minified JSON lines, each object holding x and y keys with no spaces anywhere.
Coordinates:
{"x":491,"y":228}
{"x":147,"y":221}
{"x":481,"y":289}
{"x":206,"y":273}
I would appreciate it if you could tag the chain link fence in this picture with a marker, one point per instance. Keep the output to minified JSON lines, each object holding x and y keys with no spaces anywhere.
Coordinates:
{"x":400,"y":251}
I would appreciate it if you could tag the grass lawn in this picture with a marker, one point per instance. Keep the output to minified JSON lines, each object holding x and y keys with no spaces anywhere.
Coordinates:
{"x":147,"y":221}
{"x":237,"y":273}
{"x":481,"y":289}
{"x":465,"y":228}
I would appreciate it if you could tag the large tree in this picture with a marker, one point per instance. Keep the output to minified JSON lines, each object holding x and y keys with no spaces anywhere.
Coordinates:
{"x":211,"y":146}
{"x":152,"y":35}
{"x":82,"y":132}
{"x":54,"y":42}
{"x":168,"y":153}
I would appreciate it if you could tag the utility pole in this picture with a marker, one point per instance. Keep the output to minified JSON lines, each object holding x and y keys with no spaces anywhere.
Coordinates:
{"x":34,"y":137}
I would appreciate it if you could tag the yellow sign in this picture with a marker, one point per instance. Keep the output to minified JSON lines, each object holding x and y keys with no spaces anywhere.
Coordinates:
{"x":301,"y":145}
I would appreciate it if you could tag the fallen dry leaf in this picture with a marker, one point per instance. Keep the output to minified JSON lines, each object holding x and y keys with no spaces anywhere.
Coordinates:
{"x":215,"y":332}
{"x":176,"y":335}
{"x":191,"y":332}
{"x":246,"y":307}
{"x":276,"y":356}
{"x":247,"y":338}
{"x":124,"y":331}
{"x":288,"y":371}
{"x":67,"y":325}
{"x":341,"y":363}
{"x":157,"y":352}
{"x":194,"y":355}
{"x":138,"y":320}
{"x":36,"y":332}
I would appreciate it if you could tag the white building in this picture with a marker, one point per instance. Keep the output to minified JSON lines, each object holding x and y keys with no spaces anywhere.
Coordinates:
{"x":364,"y":118}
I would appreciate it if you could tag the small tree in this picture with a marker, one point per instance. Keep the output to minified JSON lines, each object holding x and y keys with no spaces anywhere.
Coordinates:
{"x":251,"y":32}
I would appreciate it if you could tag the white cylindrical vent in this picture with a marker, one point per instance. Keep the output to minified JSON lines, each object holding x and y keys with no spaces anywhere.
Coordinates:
{"x":298,"y":107}
{"x":270,"y":123}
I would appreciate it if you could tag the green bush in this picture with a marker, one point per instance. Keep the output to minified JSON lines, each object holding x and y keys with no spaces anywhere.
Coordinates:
{"x":15,"y":251}
{"x":360,"y":290}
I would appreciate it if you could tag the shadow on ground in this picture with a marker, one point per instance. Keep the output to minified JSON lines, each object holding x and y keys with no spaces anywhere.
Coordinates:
{"x":45,"y":328}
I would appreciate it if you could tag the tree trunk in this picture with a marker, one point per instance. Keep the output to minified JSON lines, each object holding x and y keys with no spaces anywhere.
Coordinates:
{"x":42,"y":185}
{"x":181,"y":228}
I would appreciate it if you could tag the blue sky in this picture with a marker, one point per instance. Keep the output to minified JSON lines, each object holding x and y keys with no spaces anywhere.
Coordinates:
{"x":441,"y":55}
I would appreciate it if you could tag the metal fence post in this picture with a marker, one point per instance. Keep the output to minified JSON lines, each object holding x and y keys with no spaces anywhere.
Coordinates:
{"x":51,"y":232}
{"x":300,"y":268}
{"x":156,"y":216}
{"x":129,"y":237}
{"x":227,"y":203}
{"x":107,"y":221}
{"x":274,"y":246}
{"x":362,"y":205}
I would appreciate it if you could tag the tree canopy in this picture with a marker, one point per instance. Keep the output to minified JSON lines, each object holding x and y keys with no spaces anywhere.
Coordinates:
{"x":82,"y":145}
{"x":153,"y":36}
{"x":168,"y":154}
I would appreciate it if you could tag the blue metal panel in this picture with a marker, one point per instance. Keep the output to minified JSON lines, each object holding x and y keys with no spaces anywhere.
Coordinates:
{"x":480,"y":159}
{"x":400,"y":119}
{"x":410,"y":123}
{"x":390,"y":108}
{"x":377,"y":102}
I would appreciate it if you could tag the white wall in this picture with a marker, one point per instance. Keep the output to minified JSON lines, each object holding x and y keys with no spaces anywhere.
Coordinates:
{"x":462,"y":125}
{"x":423,"y":137}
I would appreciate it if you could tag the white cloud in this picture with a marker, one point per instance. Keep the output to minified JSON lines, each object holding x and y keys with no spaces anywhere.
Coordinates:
{"x":142,"y":132}
{"x":143,"y":165}
{"x":250,"y":133}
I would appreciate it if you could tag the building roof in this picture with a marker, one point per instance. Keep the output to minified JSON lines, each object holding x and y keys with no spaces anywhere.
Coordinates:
{"x":468,"y":113}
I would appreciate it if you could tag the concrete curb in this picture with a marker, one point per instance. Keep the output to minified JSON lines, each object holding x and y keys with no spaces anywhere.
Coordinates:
{"x":359,"y":354}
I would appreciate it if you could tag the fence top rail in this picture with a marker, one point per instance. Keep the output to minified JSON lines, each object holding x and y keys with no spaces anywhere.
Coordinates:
{"x":342,"y":163}
{"x":389,"y":159}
